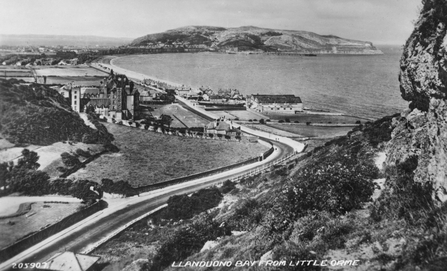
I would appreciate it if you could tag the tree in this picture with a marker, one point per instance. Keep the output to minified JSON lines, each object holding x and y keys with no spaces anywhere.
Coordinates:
{"x":29,"y":160}
{"x":166,"y":120}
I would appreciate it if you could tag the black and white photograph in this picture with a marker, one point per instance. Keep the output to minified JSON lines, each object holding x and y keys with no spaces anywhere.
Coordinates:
{"x":165,"y":135}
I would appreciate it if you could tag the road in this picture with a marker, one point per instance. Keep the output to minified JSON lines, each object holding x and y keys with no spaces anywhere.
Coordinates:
{"x":81,"y":236}
{"x":93,"y":229}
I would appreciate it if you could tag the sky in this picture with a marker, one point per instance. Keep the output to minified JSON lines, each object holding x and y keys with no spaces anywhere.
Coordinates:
{"x":378,"y":21}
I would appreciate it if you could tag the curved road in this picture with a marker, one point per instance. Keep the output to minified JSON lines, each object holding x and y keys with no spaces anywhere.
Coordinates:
{"x":91,"y":230}
{"x":81,"y":236}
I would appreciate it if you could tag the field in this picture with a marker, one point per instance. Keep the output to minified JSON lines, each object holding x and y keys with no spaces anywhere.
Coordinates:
{"x":80,"y":70}
{"x":146,"y":157}
{"x":310,"y":130}
{"x":239,"y":114}
{"x":316,"y":118}
{"x":298,"y":130}
{"x":182,"y":118}
{"x":40,"y":215}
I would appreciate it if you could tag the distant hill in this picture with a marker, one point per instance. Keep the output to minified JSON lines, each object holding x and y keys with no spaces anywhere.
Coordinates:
{"x":251,"y":38}
{"x":37,"y":114}
{"x":63,"y":40}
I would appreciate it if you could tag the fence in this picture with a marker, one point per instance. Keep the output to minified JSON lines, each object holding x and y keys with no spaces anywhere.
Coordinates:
{"x":263,"y":169}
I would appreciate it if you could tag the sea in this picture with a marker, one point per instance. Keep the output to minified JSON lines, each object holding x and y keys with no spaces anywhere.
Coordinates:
{"x":365,"y":86}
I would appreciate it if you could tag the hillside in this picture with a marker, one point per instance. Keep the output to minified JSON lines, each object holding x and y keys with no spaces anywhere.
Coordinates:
{"x":372,"y":200}
{"x":251,"y":38}
{"x":37,"y":114}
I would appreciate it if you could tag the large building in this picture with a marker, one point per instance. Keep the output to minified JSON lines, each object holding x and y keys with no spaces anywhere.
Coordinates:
{"x":116,"y":98}
{"x":288,"y":104}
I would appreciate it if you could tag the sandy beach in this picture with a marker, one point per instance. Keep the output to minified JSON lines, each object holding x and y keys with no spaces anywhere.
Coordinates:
{"x":109,"y":63}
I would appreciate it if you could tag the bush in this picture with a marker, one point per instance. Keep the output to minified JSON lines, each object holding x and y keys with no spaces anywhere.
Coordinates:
{"x":83,"y":153}
{"x":287,"y":120}
{"x":336,"y":184}
{"x":281,"y":121}
{"x":262,"y":121}
{"x":70,"y":160}
{"x":120,"y":187}
{"x":185,"y":207}
{"x":187,"y":241}
{"x":403,"y":197}
{"x":227,"y":186}
{"x":308,"y":123}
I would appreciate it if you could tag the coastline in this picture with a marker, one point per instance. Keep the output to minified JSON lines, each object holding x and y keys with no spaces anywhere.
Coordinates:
{"x":137,"y":75}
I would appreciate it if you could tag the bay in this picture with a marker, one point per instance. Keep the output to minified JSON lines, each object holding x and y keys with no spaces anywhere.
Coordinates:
{"x":359,"y":85}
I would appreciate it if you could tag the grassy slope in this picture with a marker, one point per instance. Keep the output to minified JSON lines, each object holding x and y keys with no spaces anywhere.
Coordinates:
{"x":37,"y":114}
{"x":146,"y":157}
{"x":389,"y":243}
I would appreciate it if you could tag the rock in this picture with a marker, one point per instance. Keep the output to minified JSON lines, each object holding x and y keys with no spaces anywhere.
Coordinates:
{"x":423,"y":78}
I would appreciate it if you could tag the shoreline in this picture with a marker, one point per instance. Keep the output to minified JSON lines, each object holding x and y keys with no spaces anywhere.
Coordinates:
{"x":140,"y":76}
{"x":109,"y":63}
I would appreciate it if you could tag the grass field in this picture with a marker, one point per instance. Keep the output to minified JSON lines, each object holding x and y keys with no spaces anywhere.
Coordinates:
{"x":317,"y":118}
{"x":182,"y":118}
{"x":40,"y":215}
{"x":239,"y":114}
{"x":146,"y":157}
{"x":311,"y":131}
{"x":80,"y":70}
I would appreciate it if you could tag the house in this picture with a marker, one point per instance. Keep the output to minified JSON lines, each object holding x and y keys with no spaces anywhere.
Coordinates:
{"x":222,"y":127}
{"x":70,"y":261}
{"x":289,"y":104}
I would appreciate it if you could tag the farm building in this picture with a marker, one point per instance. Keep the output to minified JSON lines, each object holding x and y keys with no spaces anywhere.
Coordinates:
{"x":275,"y":103}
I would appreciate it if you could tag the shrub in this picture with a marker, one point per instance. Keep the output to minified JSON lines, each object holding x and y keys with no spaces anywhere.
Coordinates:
{"x":227,"y":186}
{"x":281,"y":121}
{"x":262,"y":121}
{"x":336,"y":184}
{"x":70,"y":160}
{"x":287,"y":120}
{"x":403,"y":197}
{"x":187,"y":241}
{"x":308,"y":123}
{"x":185,"y":207}
{"x":83,"y":153}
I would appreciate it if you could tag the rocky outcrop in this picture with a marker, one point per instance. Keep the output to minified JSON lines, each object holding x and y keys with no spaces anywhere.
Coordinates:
{"x":422,"y":129}
{"x":251,"y":38}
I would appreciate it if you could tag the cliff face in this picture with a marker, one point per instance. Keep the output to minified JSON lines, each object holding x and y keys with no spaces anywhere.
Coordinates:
{"x":248,"y":38}
{"x":422,"y":130}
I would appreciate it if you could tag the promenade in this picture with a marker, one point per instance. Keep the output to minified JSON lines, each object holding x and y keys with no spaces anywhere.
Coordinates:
{"x":139,"y":77}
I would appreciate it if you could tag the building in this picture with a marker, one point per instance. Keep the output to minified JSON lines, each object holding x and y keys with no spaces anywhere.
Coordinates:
{"x":116,"y":97}
{"x":222,"y":127}
{"x":70,"y":261}
{"x":285,"y":104}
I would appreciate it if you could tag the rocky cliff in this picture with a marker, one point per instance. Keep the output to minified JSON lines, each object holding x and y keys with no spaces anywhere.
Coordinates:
{"x":249,"y":38}
{"x":422,"y":129}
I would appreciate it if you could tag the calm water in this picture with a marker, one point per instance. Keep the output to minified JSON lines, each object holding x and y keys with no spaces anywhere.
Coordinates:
{"x":365,"y":86}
